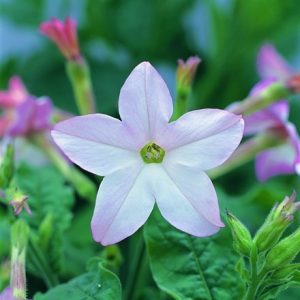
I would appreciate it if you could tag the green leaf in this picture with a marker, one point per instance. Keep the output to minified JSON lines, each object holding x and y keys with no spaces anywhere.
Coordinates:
{"x":96,"y":285}
{"x":191,"y":268}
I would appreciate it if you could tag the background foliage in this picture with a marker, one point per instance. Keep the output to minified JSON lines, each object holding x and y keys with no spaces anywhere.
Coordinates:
{"x":114,"y":36}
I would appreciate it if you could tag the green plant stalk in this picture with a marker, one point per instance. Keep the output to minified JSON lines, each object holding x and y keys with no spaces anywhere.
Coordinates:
{"x":79,"y":75}
{"x":245,"y":153}
{"x":181,"y":102}
{"x":82,"y":184}
{"x":135,"y":266}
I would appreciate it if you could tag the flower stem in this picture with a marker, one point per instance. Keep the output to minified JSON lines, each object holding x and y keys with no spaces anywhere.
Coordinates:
{"x":82,"y":184}
{"x":79,"y":75}
{"x":245,"y":153}
{"x":137,"y":265}
{"x":271,"y":94}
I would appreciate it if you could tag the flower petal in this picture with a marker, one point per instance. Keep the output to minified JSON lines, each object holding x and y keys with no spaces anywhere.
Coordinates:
{"x":203,"y":139}
{"x":124,"y":202}
{"x":271,"y":117}
{"x":42,"y":114}
{"x":185,"y":198}
{"x":97,"y":143}
{"x":275,"y":161}
{"x":271,"y":64}
{"x":145,"y":104}
{"x":284,"y":159}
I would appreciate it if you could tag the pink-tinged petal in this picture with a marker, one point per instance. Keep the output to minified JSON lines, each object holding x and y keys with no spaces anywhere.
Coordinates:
{"x":71,"y":33}
{"x":271,"y":117}
{"x":15,"y":95}
{"x":23,"y":115}
{"x":275,"y":161}
{"x":42,"y":114}
{"x":203,"y":139}
{"x":7,"y":294}
{"x":97,"y":143}
{"x":183,"y":201}
{"x":284,"y":159}
{"x":124,"y":202}
{"x":145,"y":104}
{"x":270,"y":64}
{"x":4,"y":124}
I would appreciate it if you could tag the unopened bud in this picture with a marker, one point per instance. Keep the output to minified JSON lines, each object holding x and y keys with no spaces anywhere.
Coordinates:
{"x":284,"y":252}
{"x":242,"y":241}
{"x":186,"y":71}
{"x":286,"y":272}
{"x":64,"y":35}
{"x":276,"y":223}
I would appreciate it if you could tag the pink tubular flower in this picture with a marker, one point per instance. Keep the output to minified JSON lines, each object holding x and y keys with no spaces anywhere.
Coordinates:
{"x":285,"y":158}
{"x":146,"y":159}
{"x":23,"y":113}
{"x":64,"y":35}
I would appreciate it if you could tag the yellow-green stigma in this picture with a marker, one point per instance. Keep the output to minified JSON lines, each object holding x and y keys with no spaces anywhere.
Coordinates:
{"x":152,"y":153}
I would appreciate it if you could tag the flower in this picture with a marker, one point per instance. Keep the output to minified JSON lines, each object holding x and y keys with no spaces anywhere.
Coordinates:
{"x":64,"y":35}
{"x":7,"y":294}
{"x":146,"y":159}
{"x":285,"y":158}
{"x":23,"y":113}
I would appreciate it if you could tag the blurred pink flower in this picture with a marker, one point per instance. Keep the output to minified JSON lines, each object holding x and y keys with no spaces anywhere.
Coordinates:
{"x":7,"y":294}
{"x":22,"y":112}
{"x":64,"y":35}
{"x":146,"y":159}
{"x":285,"y":158}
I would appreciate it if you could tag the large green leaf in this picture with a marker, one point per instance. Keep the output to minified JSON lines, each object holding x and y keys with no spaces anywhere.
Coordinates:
{"x":190,"y":268}
{"x":96,"y":285}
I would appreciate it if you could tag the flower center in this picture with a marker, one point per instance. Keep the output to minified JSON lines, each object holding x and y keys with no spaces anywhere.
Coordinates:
{"x":152,"y":153}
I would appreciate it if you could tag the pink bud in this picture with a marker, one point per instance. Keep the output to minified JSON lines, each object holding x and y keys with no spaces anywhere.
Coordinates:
{"x":186,"y":70}
{"x":64,"y":35}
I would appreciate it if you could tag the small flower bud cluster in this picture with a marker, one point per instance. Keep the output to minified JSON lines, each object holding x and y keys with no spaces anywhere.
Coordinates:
{"x":270,"y":257}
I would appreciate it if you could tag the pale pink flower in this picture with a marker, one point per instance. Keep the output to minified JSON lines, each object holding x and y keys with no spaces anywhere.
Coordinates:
{"x":147,"y":160}
{"x":285,"y":158}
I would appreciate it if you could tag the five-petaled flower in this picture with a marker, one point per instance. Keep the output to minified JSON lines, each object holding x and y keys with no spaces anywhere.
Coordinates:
{"x":146,"y":159}
{"x":64,"y":35}
{"x":285,"y":158}
{"x":22,"y":112}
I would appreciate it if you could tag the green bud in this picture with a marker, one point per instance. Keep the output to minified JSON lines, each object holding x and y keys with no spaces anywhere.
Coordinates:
{"x":276,"y":223}
{"x":286,"y":271}
{"x":7,"y":166}
{"x":284,"y":252}
{"x":112,"y":257}
{"x":242,"y":241}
